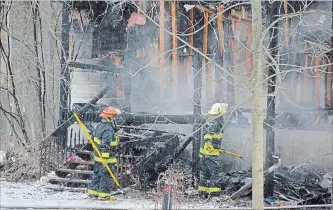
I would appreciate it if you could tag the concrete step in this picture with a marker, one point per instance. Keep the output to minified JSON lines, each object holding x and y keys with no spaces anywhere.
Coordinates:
{"x":78,"y":181}
{"x":84,"y":152}
{"x":72,"y":171}
{"x":89,"y":163}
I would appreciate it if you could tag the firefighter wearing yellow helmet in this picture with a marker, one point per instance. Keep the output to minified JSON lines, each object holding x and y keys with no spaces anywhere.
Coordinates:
{"x":212,"y":176}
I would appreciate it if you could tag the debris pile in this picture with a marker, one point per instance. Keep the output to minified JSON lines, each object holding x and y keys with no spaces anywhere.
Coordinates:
{"x":303,"y":186}
{"x":237,"y":179}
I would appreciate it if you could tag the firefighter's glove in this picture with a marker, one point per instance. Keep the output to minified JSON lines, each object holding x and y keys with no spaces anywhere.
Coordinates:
{"x":222,"y":150}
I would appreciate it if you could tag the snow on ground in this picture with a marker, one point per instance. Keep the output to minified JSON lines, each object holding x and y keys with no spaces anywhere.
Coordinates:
{"x":28,"y":194}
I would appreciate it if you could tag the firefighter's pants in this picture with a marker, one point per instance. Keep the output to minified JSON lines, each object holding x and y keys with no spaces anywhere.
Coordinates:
{"x":102,"y":183}
{"x":212,"y":177}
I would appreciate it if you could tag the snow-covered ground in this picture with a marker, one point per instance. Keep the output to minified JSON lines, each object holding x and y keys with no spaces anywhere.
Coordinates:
{"x":29,"y":194}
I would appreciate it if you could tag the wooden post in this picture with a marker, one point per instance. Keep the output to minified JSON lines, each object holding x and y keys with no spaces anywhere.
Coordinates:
{"x":185,"y":75}
{"x":249,"y":54}
{"x":209,"y":82}
{"x":317,"y":82}
{"x":220,"y":27}
{"x":197,"y":84}
{"x":228,"y":57}
{"x":329,"y":76}
{"x":205,"y":51}
{"x":234,"y":43}
{"x":191,"y":41}
{"x":328,"y":100}
{"x":64,"y":76}
{"x":305,"y":76}
{"x":162,"y":80}
{"x":219,"y":96}
{"x":174,"y":46}
{"x":119,"y":88}
{"x":270,"y":119}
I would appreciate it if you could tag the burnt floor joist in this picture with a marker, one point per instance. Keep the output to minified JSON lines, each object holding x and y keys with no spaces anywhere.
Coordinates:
{"x":111,"y":68}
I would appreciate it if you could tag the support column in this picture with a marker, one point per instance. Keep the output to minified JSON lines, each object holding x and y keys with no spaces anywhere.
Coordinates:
{"x":228,"y":57}
{"x":249,"y":54}
{"x":174,"y":46}
{"x":64,"y":76}
{"x":305,"y":76}
{"x":162,"y":80}
{"x":316,"y":97}
{"x":219,"y":89}
{"x":329,"y":78}
{"x":328,"y":101}
{"x":205,"y":51}
{"x":270,"y":119}
{"x":197,"y":74}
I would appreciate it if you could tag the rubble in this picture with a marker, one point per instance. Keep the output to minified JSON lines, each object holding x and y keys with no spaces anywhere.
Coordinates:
{"x":327,"y":182}
{"x":302,"y":186}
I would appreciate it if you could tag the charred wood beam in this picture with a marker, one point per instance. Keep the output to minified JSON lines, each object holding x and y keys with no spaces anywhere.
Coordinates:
{"x":272,"y":9}
{"x":94,"y":67}
{"x":246,"y":188}
{"x":228,"y":56}
{"x":329,"y":77}
{"x":64,"y":75}
{"x":128,"y":119}
{"x":61,"y":130}
{"x":139,"y":128}
{"x":198,"y":120}
{"x":160,"y":151}
{"x":164,"y":163}
{"x":148,"y":142}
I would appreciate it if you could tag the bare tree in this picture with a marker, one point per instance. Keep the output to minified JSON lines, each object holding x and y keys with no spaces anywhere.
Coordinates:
{"x":258,"y":137}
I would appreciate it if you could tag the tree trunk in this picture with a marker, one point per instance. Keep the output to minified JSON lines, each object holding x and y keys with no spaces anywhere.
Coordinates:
{"x":258,"y":137}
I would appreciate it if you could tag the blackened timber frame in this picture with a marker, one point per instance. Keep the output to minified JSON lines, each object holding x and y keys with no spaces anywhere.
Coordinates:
{"x":94,"y":67}
{"x":64,"y":77}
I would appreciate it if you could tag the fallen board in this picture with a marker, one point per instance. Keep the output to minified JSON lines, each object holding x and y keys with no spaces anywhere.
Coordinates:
{"x":248,"y":186}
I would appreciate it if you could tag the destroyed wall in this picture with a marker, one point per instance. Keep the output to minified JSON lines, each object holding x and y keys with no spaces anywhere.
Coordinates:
{"x":36,"y":78}
{"x":95,"y":41}
{"x":309,"y":39}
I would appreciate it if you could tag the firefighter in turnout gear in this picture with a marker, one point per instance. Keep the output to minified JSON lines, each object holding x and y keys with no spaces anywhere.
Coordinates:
{"x":212,"y":176}
{"x":106,"y":141}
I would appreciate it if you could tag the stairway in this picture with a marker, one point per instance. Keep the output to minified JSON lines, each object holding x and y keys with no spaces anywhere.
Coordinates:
{"x":77,"y":170}
{"x":142,"y":154}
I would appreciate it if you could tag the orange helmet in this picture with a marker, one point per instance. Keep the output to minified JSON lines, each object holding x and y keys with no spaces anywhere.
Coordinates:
{"x":110,"y":112}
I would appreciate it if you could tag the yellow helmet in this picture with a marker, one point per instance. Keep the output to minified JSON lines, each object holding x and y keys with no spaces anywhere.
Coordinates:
{"x":218,"y":109}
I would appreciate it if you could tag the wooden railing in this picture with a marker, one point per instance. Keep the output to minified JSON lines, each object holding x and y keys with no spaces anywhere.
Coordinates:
{"x":55,"y":152}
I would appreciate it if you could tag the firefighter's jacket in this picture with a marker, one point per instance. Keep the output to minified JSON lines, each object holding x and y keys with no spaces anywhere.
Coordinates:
{"x":213,"y":134}
{"x":106,"y":140}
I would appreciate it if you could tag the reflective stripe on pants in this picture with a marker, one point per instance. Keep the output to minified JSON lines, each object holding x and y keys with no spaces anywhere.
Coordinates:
{"x":101,"y":182}
{"x":209,"y":189}
{"x":104,"y":160}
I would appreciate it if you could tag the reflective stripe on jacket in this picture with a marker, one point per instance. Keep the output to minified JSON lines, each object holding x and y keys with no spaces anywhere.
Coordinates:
{"x":113,"y":143}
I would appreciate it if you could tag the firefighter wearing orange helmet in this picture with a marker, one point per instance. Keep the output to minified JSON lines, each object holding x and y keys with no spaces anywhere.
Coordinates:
{"x":106,"y":140}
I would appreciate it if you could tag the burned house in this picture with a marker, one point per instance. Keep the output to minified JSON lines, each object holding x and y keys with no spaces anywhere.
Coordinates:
{"x":167,"y":62}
